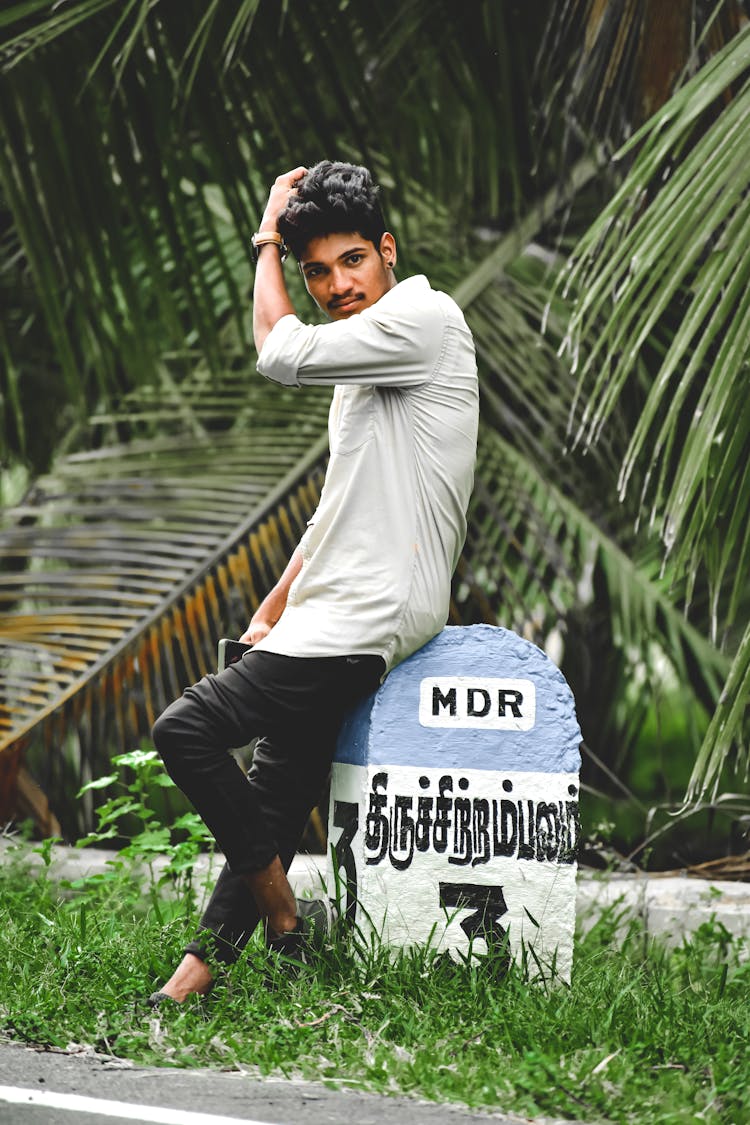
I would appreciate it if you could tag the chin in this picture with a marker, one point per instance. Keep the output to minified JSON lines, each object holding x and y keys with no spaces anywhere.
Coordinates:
{"x":344,"y":314}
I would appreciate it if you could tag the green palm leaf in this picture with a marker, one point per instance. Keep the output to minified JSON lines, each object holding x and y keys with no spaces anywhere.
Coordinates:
{"x":665,"y":268}
{"x":644,"y":608}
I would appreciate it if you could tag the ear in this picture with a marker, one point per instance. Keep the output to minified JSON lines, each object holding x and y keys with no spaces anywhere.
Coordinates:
{"x":387,"y":250}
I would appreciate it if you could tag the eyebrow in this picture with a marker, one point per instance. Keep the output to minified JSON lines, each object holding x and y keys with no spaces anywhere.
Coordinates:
{"x":351,"y":250}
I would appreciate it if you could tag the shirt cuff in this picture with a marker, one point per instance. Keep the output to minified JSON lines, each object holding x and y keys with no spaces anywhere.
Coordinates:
{"x":272,"y":363}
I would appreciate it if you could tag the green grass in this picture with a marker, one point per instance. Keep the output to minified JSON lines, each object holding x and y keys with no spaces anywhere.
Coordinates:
{"x":640,"y":1035}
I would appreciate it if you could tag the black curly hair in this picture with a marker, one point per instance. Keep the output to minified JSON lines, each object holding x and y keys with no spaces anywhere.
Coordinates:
{"x":332,"y":198}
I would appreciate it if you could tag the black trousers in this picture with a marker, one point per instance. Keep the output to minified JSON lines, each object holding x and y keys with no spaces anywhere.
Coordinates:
{"x":295,"y":707}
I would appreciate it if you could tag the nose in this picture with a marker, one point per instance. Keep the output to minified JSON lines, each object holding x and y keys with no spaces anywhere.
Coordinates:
{"x":340,"y":280}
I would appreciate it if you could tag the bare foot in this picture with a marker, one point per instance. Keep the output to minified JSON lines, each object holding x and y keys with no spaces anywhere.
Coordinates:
{"x":191,"y":975}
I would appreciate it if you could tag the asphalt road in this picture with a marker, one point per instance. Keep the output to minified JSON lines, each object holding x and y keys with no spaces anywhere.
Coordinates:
{"x":41,"y":1087}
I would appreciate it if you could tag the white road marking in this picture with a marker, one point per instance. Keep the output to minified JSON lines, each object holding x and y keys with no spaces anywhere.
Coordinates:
{"x":18,"y":1095}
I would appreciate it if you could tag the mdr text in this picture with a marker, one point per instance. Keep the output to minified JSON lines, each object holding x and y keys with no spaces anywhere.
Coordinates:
{"x":470,"y":701}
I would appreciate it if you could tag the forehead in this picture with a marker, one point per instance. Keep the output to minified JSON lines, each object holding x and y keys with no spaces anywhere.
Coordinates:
{"x":329,"y":247}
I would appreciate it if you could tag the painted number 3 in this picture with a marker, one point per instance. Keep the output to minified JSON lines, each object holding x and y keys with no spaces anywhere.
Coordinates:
{"x":346,"y":817}
{"x":487,"y":904}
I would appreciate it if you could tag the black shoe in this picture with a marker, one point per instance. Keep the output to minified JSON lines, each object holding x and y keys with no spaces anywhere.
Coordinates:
{"x":314,"y":915}
{"x":156,"y":998}
{"x":313,"y":924}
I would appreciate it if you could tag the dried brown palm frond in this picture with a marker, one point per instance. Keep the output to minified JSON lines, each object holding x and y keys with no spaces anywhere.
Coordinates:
{"x":128,"y":562}
{"x":625,"y":58}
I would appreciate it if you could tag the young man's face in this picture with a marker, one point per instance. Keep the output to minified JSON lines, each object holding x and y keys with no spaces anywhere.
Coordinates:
{"x":345,"y":273}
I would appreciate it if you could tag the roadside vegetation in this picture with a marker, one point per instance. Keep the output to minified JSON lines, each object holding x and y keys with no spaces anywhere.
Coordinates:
{"x":640,"y":1034}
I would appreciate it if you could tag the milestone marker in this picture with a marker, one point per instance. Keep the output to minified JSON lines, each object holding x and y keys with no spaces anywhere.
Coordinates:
{"x":454,"y":800}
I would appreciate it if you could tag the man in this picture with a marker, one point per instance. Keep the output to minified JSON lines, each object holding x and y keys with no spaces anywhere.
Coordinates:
{"x":370,"y":580}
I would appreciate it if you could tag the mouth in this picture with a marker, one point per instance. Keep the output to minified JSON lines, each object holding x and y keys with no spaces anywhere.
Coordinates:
{"x":347,"y":306}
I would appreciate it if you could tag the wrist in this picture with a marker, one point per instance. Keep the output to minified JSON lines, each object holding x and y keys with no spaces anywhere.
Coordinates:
{"x":268,"y":238}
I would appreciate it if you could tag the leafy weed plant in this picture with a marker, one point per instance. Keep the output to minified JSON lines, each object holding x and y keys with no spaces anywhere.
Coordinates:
{"x":139,"y":774}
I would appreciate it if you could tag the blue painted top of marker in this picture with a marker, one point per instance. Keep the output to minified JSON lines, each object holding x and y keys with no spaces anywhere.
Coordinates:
{"x":474,"y":697}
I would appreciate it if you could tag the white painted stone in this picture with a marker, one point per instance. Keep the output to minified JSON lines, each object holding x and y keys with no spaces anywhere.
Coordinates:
{"x":454,"y":801}
{"x":621,"y":897}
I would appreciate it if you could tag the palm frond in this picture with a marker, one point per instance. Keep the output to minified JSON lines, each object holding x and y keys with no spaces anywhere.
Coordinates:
{"x":127,"y":253}
{"x":559,"y":563}
{"x":614,"y":63}
{"x":645,"y":604}
{"x":727,"y":722}
{"x":127,"y":563}
{"x":685,"y":244}
{"x":541,"y":560}
{"x":664,"y":270}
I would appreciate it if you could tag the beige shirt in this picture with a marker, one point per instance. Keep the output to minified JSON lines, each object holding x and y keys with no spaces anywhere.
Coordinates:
{"x":379,"y":553}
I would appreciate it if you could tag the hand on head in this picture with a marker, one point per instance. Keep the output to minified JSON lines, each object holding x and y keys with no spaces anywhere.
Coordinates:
{"x":278,"y":197}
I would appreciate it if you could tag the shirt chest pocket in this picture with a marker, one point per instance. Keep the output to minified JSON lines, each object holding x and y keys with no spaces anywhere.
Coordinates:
{"x":353,"y":419}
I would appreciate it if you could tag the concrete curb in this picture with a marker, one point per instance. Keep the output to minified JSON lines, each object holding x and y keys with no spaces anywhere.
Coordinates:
{"x":670,"y":907}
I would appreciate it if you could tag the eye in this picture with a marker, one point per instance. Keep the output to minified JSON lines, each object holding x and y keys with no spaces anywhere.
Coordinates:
{"x":355,"y":259}
{"x":313,"y":272}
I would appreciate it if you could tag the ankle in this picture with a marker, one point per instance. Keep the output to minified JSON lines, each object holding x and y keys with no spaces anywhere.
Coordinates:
{"x":282,"y":923}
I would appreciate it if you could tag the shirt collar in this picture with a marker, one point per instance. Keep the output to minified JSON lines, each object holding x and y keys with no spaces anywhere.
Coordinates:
{"x":410,"y":286}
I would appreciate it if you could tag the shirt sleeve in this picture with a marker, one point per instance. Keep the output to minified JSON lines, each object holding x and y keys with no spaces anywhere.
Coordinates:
{"x":389,"y":344}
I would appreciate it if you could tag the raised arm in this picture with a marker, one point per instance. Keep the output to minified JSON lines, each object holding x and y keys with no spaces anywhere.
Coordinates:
{"x":270,"y":296}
